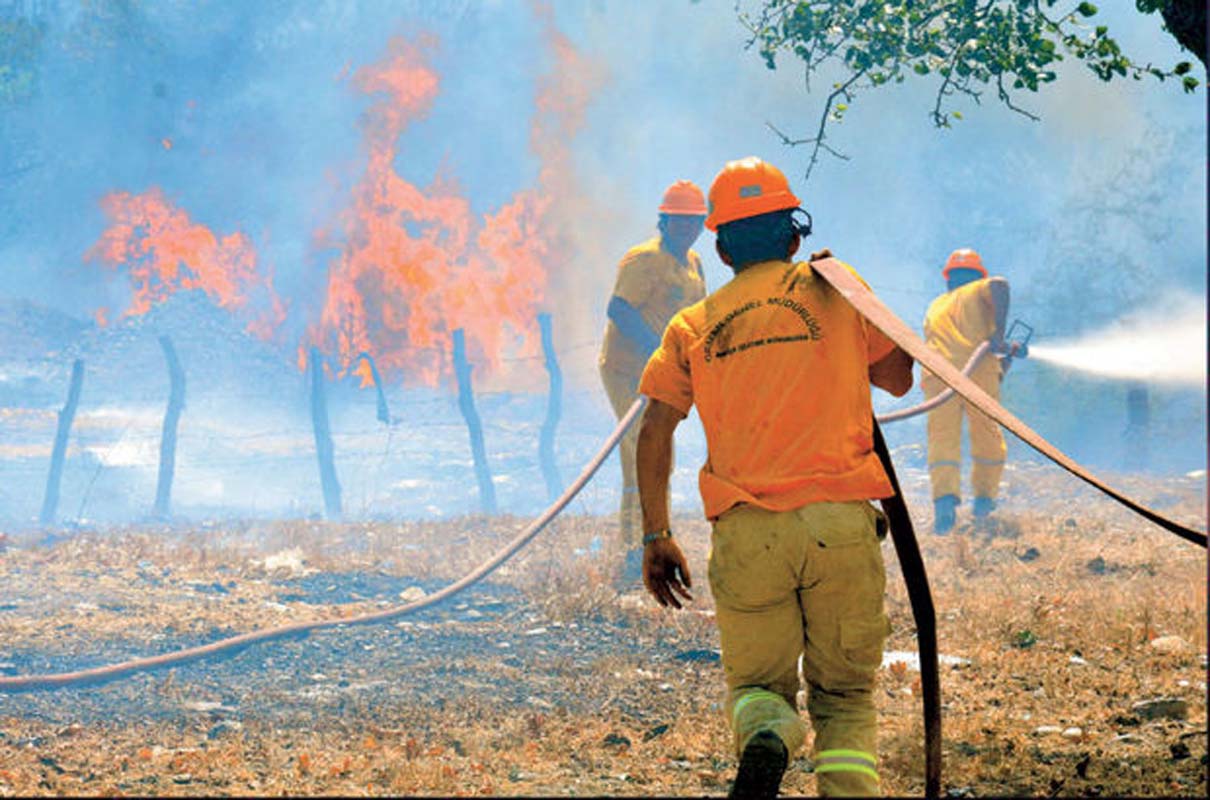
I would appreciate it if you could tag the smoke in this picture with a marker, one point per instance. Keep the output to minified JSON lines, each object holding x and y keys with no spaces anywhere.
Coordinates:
{"x":1167,"y":347}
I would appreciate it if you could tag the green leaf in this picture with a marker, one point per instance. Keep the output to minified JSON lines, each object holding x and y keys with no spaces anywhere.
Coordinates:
{"x":1182,"y":68}
{"x":1189,"y":83}
{"x":956,"y":114}
{"x":1086,"y":9}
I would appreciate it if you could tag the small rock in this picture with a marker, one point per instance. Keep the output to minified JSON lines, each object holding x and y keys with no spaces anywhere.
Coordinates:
{"x":535,"y":631}
{"x":224,"y":727}
{"x":1097,"y":566}
{"x":412,"y":594}
{"x":1170,"y":644}
{"x":1076,"y":661}
{"x":1047,"y":730}
{"x":471,"y":613}
{"x":182,"y":778}
{"x":1179,"y":751}
{"x":707,"y":656}
{"x":660,"y":730}
{"x":1039,"y":693}
{"x":616,"y":740}
{"x":1073,"y":733}
{"x":1126,"y":738}
{"x":1030,"y":554}
{"x":1157,"y":707}
{"x":74,"y":729}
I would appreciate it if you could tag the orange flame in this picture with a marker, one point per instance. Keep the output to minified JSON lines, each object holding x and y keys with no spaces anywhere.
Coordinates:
{"x":417,"y":263}
{"x":163,"y":252}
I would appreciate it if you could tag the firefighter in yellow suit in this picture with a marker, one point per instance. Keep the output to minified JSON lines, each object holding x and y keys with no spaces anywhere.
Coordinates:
{"x":655,"y":280}
{"x":779,"y":368}
{"x":973,"y":310}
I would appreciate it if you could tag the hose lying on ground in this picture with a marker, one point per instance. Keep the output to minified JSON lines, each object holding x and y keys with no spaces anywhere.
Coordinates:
{"x":928,"y":405}
{"x":96,"y":675}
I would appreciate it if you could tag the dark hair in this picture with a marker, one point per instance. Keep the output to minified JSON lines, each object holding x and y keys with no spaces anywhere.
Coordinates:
{"x":765,"y":237}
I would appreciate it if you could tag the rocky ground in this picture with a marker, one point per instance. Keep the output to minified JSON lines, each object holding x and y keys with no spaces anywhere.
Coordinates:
{"x":1078,"y":631}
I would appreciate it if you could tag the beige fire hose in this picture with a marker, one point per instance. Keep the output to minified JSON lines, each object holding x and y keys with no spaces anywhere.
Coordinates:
{"x":897,"y":330}
{"x":928,"y":405}
{"x":26,"y":683}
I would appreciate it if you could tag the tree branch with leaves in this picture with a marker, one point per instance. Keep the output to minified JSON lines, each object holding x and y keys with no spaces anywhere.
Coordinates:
{"x":1013,"y":46}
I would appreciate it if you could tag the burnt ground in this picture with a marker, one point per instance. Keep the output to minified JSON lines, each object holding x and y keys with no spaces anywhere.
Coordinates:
{"x":1081,"y":629}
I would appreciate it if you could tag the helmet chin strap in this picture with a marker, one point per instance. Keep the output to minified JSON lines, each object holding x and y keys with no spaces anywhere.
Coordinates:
{"x":803,"y":229}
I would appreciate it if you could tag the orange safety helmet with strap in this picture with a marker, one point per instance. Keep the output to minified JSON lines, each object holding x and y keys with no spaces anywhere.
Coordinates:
{"x":963,"y":259}
{"x":747,"y":188}
{"x":684,"y":198}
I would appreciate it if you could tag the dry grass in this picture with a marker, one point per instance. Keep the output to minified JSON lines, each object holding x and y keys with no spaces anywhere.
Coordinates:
{"x":548,"y":681}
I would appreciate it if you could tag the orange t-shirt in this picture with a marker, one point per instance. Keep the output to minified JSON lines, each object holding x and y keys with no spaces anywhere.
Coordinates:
{"x":777,"y":363}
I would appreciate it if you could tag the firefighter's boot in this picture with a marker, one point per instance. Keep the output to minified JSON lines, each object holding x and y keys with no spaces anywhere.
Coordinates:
{"x":761,"y":767}
{"x":984,"y":506}
{"x":944,"y":513}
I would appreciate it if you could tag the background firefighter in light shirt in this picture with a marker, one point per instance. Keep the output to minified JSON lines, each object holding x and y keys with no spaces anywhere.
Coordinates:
{"x":973,"y":309}
{"x":655,"y":280}
{"x":779,"y":366}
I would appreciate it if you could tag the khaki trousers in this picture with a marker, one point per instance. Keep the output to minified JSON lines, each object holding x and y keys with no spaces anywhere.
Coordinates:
{"x":622,"y":390}
{"x":810,"y":583}
{"x":988,"y":449}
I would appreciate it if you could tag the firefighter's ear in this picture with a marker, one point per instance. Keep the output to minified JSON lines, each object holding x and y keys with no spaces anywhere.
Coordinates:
{"x":794,"y":243}
{"x":722,"y":253}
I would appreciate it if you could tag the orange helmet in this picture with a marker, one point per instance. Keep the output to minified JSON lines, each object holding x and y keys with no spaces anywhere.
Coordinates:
{"x":683,"y":197}
{"x":747,"y":188}
{"x":963,"y":259}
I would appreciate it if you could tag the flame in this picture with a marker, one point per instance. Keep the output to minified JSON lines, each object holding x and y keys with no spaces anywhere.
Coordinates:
{"x":163,"y":251}
{"x":415,"y":263}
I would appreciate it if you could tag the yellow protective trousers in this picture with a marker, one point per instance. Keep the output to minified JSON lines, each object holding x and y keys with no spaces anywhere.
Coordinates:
{"x":622,"y":389}
{"x":809,"y":583}
{"x":945,"y":437}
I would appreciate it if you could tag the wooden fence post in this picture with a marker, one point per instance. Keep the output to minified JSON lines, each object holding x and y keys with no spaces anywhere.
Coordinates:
{"x":324,"y":450}
{"x":384,"y":413}
{"x":554,"y":409}
{"x":50,"y":500}
{"x":466,"y":403}
{"x":176,"y":402}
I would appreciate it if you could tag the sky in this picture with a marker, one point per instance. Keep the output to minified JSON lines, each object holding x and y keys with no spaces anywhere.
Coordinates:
{"x":248,"y":117}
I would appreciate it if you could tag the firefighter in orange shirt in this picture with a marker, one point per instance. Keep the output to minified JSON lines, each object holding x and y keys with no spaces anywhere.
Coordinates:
{"x":973,"y":309}
{"x":655,"y":280}
{"x":779,"y":367}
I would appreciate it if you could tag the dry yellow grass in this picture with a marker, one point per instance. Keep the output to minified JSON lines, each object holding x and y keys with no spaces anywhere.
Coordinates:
{"x":548,"y":681}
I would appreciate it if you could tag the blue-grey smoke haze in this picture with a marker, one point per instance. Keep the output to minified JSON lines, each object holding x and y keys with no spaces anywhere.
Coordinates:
{"x":245,"y":116}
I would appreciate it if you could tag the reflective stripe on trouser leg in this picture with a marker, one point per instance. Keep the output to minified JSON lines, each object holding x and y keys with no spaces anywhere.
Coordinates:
{"x":988,"y":448}
{"x":857,"y":761}
{"x":846,"y":629}
{"x":754,"y":579}
{"x":754,"y":709}
{"x":944,"y":441}
{"x":621,"y":388}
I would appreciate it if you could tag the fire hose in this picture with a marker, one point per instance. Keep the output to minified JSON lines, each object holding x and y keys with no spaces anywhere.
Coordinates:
{"x":906,"y":547}
{"x":941,"y":398}
{"x":97,"y":675}
{"x":885,"y":320}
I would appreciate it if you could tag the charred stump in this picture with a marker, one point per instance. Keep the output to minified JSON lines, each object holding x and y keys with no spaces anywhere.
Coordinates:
{"x":324,"y":450}
{"x":172,"y":415}
{"x":50,"y":501}
{"x":466,"y":404}
{"x":554,"y":409}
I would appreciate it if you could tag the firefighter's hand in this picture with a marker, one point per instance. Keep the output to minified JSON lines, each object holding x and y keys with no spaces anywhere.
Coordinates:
{"x":824,"y":253}
{"x":666,"y":573}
